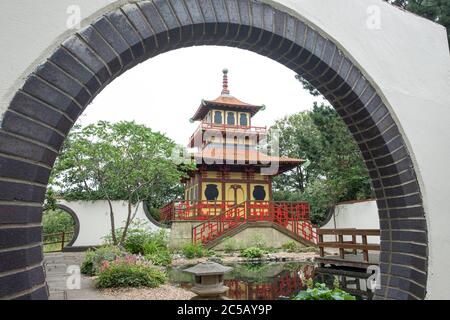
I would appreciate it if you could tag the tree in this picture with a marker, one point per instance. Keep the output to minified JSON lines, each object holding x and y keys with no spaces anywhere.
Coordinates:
{"x":299,"y":138}
{"x":334,"y":170}
{"x":308,"y":86}
{"x":117,"y":161}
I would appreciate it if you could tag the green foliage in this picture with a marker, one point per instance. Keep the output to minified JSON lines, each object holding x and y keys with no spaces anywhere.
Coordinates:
{"x":136,"y":240}
{"x":290,"y":246}
{"x":154,"y":212}
{"x":254,"y":267}
{"x":334,"y":170}
{"x":253,"y":253}
{"x":56,"y":221}
{"x":50,"y":202}
{"x":258,"y":241}
{"x":87,"y":266}
{"x":194,"y":250}
{"x":129,"y":273}
{"x":156,"y":249}
{"x":308,"y":86}
{"x":153,"y":245}
{"x":230,"y":245}
{"x":95,"y":257}
{"x":118,"y":161}
{"x":321,"y":292}
{"x":160,"y":258}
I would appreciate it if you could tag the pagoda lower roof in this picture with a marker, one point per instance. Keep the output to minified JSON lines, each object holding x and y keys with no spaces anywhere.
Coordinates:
{"x":225,"y":101}
{"x":233,"y":156}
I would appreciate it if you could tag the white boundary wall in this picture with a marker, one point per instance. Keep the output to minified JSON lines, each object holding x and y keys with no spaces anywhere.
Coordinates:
{"x":94,"y":219}
{"x":359,"y":215}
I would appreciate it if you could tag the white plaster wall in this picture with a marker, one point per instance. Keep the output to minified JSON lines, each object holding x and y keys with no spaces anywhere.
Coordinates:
{"x":407,"y":58}
{"x":359,"y":215}
{"x":95,"y":222}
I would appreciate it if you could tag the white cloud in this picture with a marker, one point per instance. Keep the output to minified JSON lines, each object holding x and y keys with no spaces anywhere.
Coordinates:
{"x":164,"y":92}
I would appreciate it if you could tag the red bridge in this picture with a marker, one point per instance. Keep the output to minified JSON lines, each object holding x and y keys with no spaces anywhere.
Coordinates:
{"x":220,"y":219}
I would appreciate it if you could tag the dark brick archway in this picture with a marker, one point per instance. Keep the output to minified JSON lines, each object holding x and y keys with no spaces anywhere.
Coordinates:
{"x":44,"y":110}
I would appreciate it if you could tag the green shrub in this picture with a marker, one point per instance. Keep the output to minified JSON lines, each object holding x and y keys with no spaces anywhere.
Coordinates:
{"x":128,"y":272}
{"x":87,"y":267}
{"x":57,"y":221}
{"x":136,"y":240}
{"x":154,"y":212}
{"x":161,"y":258}
{"x":159,"y":239}
{"x":253,"y":253}
{"x":258,"y":241}
{"x":94,"y":259}
{"x":192,"y":251}
{"x":321,"y":292}
{"x":230,"y":245}
{"x":156,"y":249}
{"x":142,"y":241}
{"x":290,"y":246}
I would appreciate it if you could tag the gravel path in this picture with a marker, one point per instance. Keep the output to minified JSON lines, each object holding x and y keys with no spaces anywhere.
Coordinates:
{"x":56,"y":268}
{"x":164,"y":292}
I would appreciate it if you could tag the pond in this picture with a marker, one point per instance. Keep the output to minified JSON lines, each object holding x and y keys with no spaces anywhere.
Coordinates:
{"x":271,"y":281}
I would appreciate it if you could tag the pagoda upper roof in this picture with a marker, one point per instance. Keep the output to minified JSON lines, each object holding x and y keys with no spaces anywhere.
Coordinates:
{"x":225,"y":101}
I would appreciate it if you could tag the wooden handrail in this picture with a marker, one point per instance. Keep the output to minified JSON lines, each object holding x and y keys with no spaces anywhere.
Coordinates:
{"x":349,"y":232}
{"x":344,"y":245}
{"x":63,"y":239}
{"x":353,"y":245}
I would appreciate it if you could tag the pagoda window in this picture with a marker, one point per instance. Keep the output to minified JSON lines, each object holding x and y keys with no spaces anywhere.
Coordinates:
{"x":208,"y":117}
{"x":243,"y":119}
{"x":259,"y":193}
{"x":211,"y":192}
{"x":218,"y":117}
{"x":231,"y":118}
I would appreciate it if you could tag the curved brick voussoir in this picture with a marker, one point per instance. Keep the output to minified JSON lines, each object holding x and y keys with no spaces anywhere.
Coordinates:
{"x":45,"y":108}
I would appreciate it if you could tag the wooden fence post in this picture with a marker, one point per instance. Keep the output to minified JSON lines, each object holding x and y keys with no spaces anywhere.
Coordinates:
{"x":62,"y":241}
{"x":365,"y":251}
{"x":341,"y":249}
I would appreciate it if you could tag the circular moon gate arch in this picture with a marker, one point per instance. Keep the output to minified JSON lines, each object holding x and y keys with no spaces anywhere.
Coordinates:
{"x":52,"y":98}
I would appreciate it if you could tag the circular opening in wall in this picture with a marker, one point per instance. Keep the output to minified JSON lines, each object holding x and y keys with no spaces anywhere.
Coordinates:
{"x":60,"y":229}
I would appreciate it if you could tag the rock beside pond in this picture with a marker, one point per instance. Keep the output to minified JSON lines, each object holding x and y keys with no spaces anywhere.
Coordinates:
{"x":234,"y":257}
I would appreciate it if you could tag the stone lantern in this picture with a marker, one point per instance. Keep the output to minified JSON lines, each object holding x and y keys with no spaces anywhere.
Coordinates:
{"x":208,"y":280}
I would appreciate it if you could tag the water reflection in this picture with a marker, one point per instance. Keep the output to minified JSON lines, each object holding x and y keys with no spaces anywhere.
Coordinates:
{"x":267,"y":281}
{"x":275,"y":281}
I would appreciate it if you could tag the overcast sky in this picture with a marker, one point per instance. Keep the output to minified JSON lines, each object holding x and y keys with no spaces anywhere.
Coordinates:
{"x":164,"y":92}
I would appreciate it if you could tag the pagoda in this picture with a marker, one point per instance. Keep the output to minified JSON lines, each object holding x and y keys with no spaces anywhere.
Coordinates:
{"x":231,"y":186}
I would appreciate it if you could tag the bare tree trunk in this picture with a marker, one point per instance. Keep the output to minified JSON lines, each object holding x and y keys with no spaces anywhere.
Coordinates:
{"x":127,"y":223}
{"x":113,"y":225}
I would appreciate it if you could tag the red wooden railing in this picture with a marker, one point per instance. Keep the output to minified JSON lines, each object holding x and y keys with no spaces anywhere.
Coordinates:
{"x":225,"y":127}
{"x":292,"y":216}
{"x":193,"y":210}
{"x":220,"y":225}
{"x":284,"y":285}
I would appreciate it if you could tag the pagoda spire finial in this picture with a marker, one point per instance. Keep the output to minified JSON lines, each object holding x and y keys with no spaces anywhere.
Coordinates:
{"x":225,"y":89}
